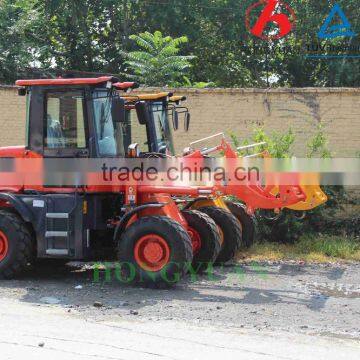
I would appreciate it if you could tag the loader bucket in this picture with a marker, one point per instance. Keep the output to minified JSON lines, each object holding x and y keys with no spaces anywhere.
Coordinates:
{"x":315,"y":197}
{"x":308,"y":183}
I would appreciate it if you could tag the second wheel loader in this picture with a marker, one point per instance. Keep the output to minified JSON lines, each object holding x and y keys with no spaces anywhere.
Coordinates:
{"x":160,"y":140}
{"x":237,"y":228}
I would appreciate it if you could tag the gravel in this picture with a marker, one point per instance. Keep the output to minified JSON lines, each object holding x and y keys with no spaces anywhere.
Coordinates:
{"x":281,"y":296}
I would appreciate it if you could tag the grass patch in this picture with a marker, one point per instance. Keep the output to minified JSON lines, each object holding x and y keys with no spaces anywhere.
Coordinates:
{"x":320,"y":248}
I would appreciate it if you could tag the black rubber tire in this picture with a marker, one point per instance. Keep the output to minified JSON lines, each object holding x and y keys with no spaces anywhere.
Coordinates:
{"x":20,"y":253}
{"x":178,"y":241}
{"x":210,"y":238}
{"x":231,"y":229}
{"x":248,"y":223}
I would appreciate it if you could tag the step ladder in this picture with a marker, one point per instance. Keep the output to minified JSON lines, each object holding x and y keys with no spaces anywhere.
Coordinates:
{"x":59,"y":228}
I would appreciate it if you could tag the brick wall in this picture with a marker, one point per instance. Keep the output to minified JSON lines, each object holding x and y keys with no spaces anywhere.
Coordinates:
{"x":12,"y":117}
{"x":239,"y":111}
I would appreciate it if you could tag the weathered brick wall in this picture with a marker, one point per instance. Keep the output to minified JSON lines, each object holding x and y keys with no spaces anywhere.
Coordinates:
{"x":12,"y":117}
{"x":239,"y":111}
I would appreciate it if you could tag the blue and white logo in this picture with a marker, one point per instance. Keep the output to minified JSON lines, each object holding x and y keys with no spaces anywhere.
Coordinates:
{"x":329,"y":31}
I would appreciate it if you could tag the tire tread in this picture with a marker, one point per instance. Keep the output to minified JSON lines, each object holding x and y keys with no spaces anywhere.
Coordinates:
{"x":232,"y":243}
{"x":25,"y":245}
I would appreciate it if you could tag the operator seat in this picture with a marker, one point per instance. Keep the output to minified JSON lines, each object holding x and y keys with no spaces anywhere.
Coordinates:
{"x":55,"y":135}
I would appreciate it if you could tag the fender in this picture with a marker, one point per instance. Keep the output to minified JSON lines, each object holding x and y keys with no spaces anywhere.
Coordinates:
{"x":192,"y":202}
{"x":206,"y":202}
{"x":18,"y":205}
{"x":121,"y":226}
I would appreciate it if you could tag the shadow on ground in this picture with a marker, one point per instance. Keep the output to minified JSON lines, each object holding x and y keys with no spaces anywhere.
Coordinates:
{"x":241,"y":284}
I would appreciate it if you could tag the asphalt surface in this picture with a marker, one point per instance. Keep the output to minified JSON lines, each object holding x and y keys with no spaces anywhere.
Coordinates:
{"x":284,"y":310}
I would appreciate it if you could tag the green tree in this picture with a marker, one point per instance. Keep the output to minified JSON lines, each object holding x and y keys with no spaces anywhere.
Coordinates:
{"x":158,"y":62}
{"x":279,"y":145}
{"x":317,"y":146}
{"x":17,"y":50}
{"x":93,"y":35}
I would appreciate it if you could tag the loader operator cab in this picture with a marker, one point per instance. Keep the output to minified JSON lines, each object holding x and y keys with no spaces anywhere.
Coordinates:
{"x":161,"y":138}
{"x":75,"y":117}
{"x":158,"y":116}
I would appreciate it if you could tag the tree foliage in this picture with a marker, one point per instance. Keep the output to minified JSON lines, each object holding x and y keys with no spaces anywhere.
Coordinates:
{"x":17,"y":50}
{"x":157,"y":62}
{"x":94,"y":35}
{"x":290,"y":224}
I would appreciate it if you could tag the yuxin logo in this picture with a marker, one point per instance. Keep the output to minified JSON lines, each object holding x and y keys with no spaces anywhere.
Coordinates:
{"x":275,"y":12}
{"x":343,"y":29}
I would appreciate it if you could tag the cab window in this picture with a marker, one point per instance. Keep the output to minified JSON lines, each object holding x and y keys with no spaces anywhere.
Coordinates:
{"x":64,"y":120}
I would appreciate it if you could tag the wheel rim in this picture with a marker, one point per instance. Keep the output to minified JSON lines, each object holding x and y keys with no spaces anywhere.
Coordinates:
{"x":195,"y":240}
{"x":152,"y":252}
{"x":4,"y":246}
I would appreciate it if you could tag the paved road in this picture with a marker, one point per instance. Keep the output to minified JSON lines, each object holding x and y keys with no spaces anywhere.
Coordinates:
{"x":276,"y":311}
{"x":24,"y":327}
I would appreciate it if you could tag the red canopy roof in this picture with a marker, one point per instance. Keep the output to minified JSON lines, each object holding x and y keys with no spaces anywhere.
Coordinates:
{"x":61,"y":81}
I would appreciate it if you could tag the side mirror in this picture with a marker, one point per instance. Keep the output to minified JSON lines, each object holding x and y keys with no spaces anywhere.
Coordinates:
{"x":187,"y":121}
{"x":142,"y":112}
{"x":118,"y":110}
{"x":175,"y":119}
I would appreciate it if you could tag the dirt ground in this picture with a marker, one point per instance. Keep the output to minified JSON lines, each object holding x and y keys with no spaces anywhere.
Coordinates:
{"x":288,"y":296}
